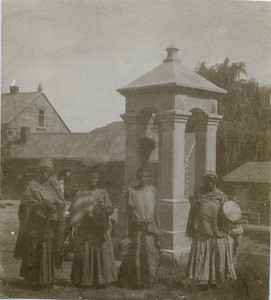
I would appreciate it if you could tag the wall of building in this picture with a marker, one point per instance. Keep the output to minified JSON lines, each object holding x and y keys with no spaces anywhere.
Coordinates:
{"x":17,"y":173}
{"x":30,"y":118}
{"x":251,"y":197}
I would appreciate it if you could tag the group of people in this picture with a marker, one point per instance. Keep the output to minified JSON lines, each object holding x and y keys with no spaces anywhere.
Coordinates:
{"x":41,"y":237}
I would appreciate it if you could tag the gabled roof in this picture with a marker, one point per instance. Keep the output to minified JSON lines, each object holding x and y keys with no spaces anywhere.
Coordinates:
{"x":101,"y":145}
{"x":13,"y":104}
{"x":172,"y":73}
{"x":251,"y":172}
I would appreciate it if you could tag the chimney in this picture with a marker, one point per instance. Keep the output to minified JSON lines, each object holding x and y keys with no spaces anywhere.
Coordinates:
{"x":25,"y":134}
{"x":39,"y":87}
{"x":14,"y":89}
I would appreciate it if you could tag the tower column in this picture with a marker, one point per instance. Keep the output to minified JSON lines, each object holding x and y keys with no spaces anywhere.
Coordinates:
{"x":212,"y":123}
{"x":173,"y":208}
{"x":132,"y":163}
{"x":205,"y":146}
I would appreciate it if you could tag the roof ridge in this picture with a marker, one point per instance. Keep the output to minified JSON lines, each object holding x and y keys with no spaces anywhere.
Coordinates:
{"x":58,"y":133}
{"x":21,"y":93}
{"x":31,"y":100}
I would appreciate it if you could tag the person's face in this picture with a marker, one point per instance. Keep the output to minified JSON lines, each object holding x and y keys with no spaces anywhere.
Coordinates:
{"x":145,"y":178}
{"x":45,"y":173}
{"x":210,"y":182}
{"x":94,"y":180}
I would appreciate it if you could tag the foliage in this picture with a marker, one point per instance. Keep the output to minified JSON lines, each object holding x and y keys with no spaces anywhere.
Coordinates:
{"x":245,"y":132}
{"x":6,"y":136}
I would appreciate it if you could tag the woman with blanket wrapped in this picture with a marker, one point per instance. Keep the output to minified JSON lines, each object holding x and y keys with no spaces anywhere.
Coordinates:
{"x":140,"y":264}
{"x":42,"y":223}
{"x":94,"y":263}
{"x":211,"y":256}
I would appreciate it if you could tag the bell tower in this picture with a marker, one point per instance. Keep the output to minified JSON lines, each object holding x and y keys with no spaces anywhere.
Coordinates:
{"x":183,"y":103}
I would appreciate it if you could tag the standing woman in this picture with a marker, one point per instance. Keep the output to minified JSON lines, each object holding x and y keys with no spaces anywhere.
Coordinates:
{"x":211,"y":256}
{"x":139,"y":266}
{"x":40,"y":239}
{"x":94,"y":263}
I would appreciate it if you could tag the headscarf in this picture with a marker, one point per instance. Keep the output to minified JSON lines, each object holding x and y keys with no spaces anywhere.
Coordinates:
{"x":210,"y":172}
{"x":46,"y":162}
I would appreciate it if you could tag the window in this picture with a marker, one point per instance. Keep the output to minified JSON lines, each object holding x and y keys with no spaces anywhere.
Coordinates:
{"x":41,"y":118}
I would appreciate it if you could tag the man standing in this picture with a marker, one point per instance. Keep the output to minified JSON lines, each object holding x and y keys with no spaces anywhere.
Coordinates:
{"x":139,"y":266}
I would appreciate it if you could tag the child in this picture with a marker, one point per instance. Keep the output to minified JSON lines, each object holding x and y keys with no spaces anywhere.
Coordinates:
{"x":51,"y":195}
{"x":236,"y":231}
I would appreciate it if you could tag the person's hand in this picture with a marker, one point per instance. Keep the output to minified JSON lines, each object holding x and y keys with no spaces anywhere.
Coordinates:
{"x":198,"y":203}
{"x":48,"y":204}
{"x":96,"y":210}
{"x":125,"y":236}
{"x":159,"y":234}
{"x":109,"y":210}
{"x":60,"y":203}
{"x":102,"y":204}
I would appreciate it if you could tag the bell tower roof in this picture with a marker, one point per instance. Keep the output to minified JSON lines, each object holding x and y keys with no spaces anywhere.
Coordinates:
{"x":171,"y":73}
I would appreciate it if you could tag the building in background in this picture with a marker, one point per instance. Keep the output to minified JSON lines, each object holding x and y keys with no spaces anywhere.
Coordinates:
{"x":21,"y":114}
{"x":32,"y":110}
{"x":73,"y":155}
{"x":250,"y":186}
{"x":32,"y":130}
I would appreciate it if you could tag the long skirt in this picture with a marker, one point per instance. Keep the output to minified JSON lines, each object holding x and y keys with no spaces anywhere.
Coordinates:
{"x":94,"y":262}
{"x":139,"y":265}
{"x":41,"y":262}
{"x":210,"y":259}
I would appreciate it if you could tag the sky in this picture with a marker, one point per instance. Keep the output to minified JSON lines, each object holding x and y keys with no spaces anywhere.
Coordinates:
{"x":82,"y":51}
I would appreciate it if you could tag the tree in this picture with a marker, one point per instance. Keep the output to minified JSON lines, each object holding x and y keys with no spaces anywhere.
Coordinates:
{"x":245,"y":132}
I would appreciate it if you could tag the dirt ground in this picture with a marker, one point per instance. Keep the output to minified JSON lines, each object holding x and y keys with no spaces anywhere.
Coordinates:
{"x":252,"y":273}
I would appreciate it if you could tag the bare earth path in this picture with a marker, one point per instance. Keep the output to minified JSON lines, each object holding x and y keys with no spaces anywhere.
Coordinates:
{"x":252,"y":282}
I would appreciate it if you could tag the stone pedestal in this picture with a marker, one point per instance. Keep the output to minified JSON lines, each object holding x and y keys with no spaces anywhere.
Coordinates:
{"x":173,"y":216}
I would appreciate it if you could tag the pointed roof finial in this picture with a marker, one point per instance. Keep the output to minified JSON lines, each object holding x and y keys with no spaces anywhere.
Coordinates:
{"x":39,"y":87}
{"x":171,"y":53}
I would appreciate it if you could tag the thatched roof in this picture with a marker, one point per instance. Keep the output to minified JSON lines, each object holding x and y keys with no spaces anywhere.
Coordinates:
{"x":251,"y":172}
{"x":102,"y":144}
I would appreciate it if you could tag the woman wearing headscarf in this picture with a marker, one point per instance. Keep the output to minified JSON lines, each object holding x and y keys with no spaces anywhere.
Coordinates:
{"x":94,"y":263}
{"x":42,"y":223}
{"x":211,"y":257}
{"x":139,"y":265}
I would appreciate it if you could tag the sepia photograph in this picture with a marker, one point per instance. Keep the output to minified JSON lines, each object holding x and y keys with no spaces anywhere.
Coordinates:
{"x":135,"y":149}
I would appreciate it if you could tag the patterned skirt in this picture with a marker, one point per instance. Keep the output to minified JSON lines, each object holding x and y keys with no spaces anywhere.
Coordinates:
{"x":210,"y":259}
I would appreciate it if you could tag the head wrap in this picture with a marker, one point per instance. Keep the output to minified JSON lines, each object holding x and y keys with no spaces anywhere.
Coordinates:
{"x":140,"y":172}
{"x":210,"y":173}
{"x":46,"y":162}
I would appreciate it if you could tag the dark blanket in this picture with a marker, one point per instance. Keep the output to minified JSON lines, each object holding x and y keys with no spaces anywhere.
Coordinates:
{"x":205,"y":212}
{"x":32,"y":202}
